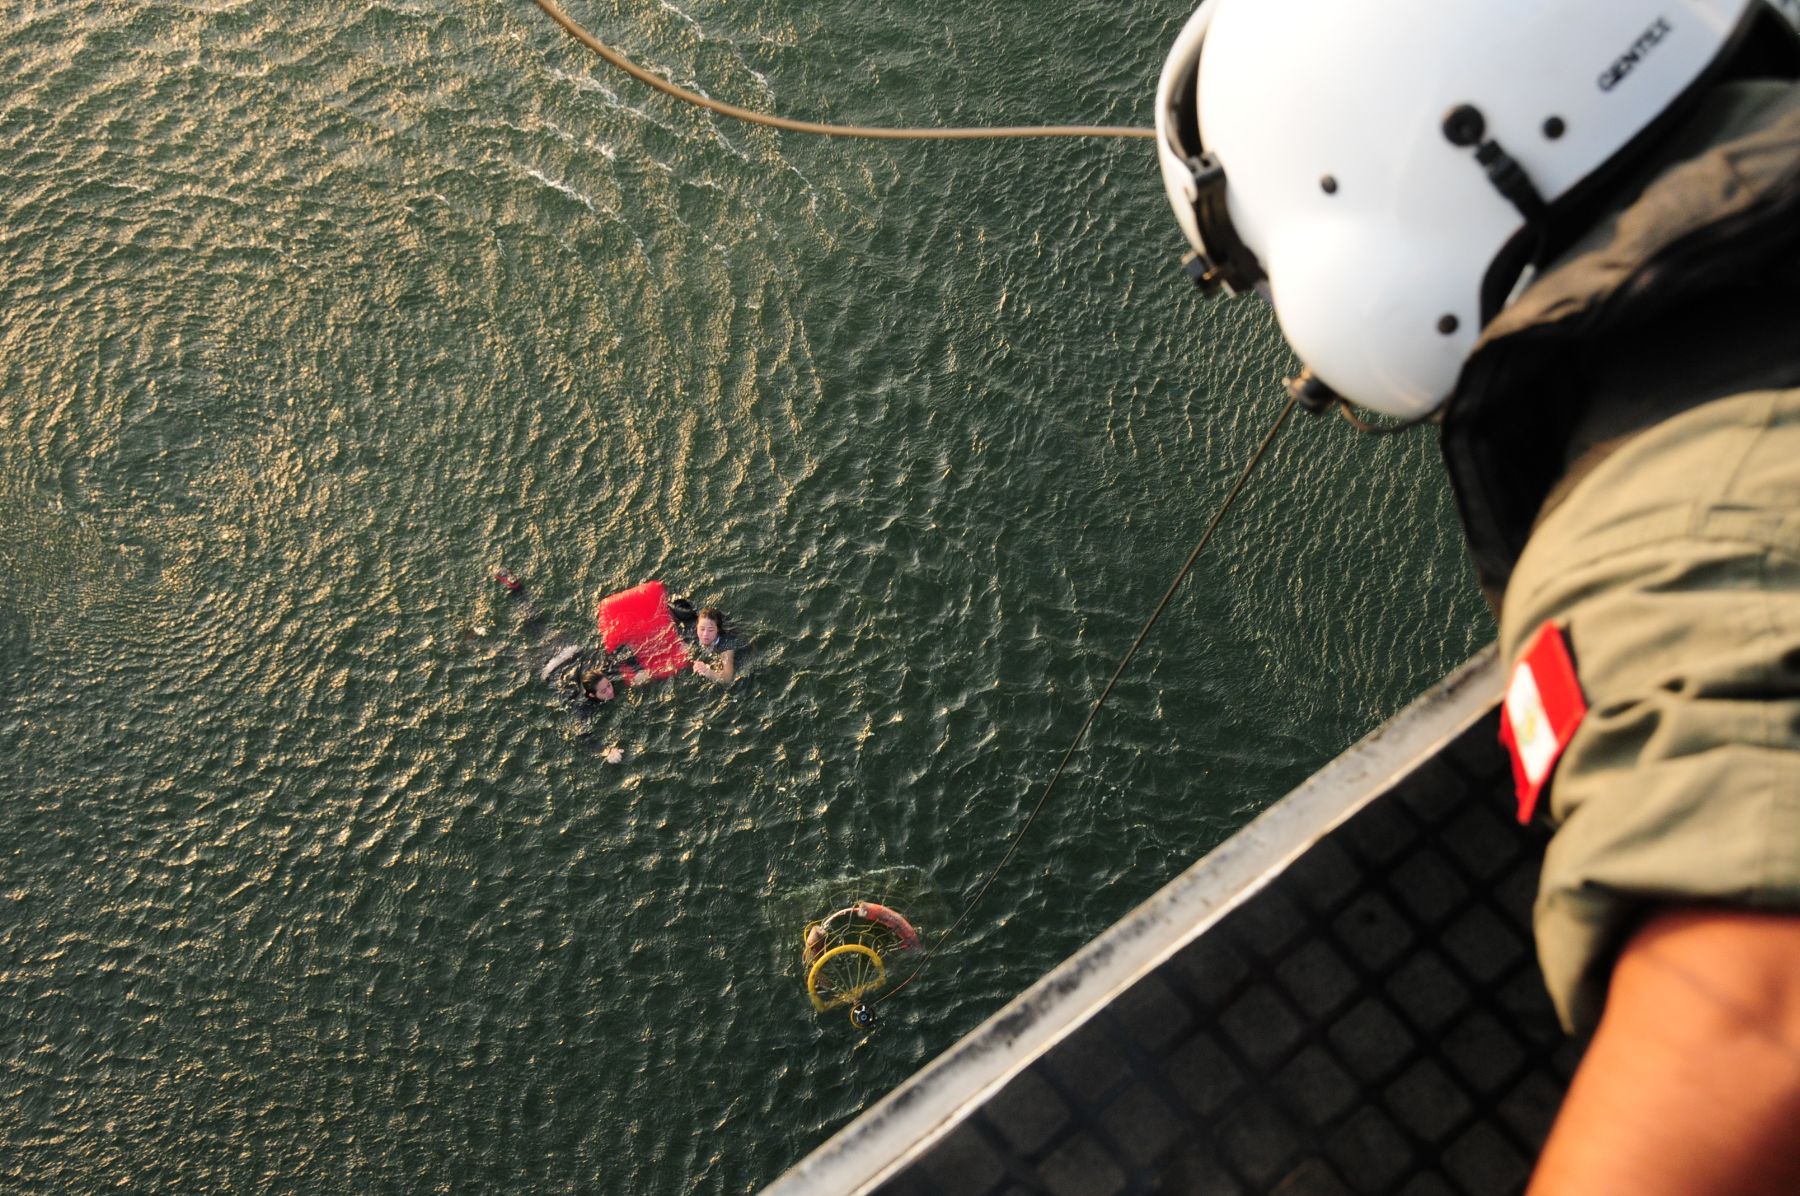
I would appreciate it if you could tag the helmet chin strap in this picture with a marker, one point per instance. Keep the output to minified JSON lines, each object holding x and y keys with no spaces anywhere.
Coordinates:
{"x":1227,"y":265}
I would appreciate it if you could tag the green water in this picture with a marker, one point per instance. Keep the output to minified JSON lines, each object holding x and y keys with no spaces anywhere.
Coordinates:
{"x":313,"y":314}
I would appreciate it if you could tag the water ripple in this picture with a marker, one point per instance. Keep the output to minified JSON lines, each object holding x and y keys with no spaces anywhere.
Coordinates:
{"x":315,"y":317}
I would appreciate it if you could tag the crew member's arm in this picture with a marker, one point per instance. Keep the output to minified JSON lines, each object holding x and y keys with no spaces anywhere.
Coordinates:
{"x":1692,"y":1082}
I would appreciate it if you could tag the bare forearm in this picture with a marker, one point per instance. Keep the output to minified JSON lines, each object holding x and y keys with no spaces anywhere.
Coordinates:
{"x":1692,"y":1083}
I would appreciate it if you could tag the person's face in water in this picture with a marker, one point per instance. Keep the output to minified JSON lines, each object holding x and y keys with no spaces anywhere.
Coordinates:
{"x":602,"y":690}
{"x":707,"y":632}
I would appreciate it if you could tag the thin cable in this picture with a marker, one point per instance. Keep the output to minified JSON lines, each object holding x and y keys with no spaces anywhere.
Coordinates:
{"x":637,"y":72}
{"x":1374,"y":429}
{"x":1094,"y":710}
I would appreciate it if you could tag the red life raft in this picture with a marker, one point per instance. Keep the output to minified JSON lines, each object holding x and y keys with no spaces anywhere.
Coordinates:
{"x":639,"y":619}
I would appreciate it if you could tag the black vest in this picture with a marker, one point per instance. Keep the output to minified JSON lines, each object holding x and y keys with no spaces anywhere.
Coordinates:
{"x":1690,"y":293}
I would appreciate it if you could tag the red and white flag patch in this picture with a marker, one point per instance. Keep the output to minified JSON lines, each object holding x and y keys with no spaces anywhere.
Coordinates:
{"x":1543,"y":707}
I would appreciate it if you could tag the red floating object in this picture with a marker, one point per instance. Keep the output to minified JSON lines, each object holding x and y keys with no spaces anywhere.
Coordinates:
{"x":639,"y":619}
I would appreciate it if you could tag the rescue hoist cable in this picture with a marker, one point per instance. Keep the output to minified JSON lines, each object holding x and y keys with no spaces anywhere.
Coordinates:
{"x":1094,"y":710}
{"x":678,"y":92}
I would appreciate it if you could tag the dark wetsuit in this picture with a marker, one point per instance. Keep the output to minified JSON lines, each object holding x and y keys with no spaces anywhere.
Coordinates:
{"x":565,"y":675}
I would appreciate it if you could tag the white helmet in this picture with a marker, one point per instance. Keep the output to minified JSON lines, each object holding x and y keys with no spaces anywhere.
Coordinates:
{"x":1383,"y":172}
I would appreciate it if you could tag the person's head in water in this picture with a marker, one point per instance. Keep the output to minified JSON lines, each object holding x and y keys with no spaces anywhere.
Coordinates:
{"x":708,"y":625}
{"x":597,"y":686}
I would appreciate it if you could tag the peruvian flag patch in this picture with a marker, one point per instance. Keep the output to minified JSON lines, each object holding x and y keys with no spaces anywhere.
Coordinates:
{"x":1542,"y":709}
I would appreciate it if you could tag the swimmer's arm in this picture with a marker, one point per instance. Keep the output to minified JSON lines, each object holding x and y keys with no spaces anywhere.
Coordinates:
{"x":721,"y":672}
{"x":1692,"y":1082}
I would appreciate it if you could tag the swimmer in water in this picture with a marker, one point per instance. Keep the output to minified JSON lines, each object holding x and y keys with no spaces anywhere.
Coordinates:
{"x":596,"y":686}
{"x":716,"y":657}
{"x":584,"y":677}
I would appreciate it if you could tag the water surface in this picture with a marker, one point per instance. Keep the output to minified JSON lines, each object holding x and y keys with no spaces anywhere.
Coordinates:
{"x":314,"y":314}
